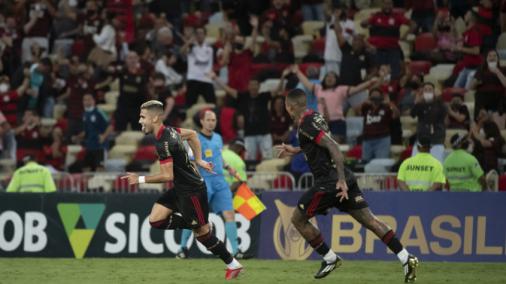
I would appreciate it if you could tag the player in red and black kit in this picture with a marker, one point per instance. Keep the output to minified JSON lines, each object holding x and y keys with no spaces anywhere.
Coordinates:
{"x":185,"y":206}
{"x":335,"y":186}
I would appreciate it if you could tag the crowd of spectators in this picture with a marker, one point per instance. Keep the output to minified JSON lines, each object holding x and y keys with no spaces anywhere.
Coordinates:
{"x":364,"y":59}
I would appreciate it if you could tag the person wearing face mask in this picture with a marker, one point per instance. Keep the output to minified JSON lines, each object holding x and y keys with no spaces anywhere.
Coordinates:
{"x":431,"y":113}
{"x":94,"y":124}
{"x":378,"y":114}
{"x":490,"y":85}
{"x":79,"y":83}
{"x":238,"y":56}
{"x":458,"y":114}
{"x":462,"y":170}
{"x":384,"y":30}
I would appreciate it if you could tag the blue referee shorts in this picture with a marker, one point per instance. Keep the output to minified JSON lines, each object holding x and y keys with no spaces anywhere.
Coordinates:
{"x":218,"y":194}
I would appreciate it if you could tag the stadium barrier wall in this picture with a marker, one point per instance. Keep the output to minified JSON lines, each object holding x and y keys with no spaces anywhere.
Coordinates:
{"x":435,"y":226}
{"x":97,"y":225}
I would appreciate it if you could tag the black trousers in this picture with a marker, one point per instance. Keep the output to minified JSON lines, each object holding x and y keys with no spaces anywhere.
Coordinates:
{"x":196,"y":88}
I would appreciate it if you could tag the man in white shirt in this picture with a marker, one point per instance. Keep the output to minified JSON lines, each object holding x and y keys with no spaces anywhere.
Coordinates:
{"x":200,"y":62}
{"x":338,"y":30}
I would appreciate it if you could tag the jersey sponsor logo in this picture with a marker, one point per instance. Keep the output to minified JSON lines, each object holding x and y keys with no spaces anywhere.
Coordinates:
{"x":86,"y":216}
{"x":288,"y":242}
{"x":419,"y":168}
{"x":370,"y":119}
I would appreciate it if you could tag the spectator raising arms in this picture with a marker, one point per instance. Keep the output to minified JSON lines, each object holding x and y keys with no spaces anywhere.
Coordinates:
{"x":332,"y":97}
{"x":254,"y":106}
{"x":200,"y":62}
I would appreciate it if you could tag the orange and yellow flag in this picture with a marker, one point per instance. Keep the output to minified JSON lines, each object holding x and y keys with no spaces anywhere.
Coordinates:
{"x":247,"y":203}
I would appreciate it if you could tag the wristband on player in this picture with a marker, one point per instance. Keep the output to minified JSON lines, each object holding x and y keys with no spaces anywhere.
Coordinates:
{"x":142,"y":179}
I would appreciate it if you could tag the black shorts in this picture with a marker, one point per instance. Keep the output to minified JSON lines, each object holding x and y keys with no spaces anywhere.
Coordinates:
{"x":322,"y":197}
{"x":192,"y":205}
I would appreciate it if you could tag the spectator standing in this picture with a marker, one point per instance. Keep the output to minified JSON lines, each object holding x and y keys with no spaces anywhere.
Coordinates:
{"x":334,"y":40}
{"x":422,"y":172}
{"x":357,"y":62}
{"x":254,"y":106}
{"x":238,"y":57}
{"x":37,"y":28}
{"x":378,"y":113}
{"x":462,"y":169}
{"x":28,"y":134}
{"x":470,"y":50}
{"x":7,"y":139}
{"x":384,"y":30}
{"x":331,"y":98}
{"x":431,"y":114}
{"x":312,"y":75}
{"x":132,"y":93}
{"x":78,"y":84}
{"x":105,"y":51}
{"x":488,"y":142}
{"x":31,"y":177}
{"x":94,"y":125}
{"x":490,"y":84}
{"x":280,"y":121}
{"x":10,"y":99}
{"x":200,"y":62}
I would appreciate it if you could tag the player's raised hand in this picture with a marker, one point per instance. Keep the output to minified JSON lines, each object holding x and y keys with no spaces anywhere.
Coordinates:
{"x":342,"y":189}
{"x":206,"y":166}
{"x":132,"y":178}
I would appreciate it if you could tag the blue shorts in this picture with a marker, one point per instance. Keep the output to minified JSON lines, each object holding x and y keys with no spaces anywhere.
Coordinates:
{"x":218,"y":194}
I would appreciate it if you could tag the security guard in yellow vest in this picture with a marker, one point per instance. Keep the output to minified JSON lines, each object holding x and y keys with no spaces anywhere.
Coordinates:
{"x":32,"y":177}
{"x":422,"y":172}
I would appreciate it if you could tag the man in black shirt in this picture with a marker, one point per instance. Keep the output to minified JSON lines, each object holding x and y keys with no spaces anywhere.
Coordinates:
{"x":335,"y":186}
{"x":254,"y":106}
{"x":356,"y":64}
{"x":186,"y":205}
{"x":132,"y":92}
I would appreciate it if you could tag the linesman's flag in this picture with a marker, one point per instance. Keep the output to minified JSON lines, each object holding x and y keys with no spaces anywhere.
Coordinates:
{"x":247,"y":203}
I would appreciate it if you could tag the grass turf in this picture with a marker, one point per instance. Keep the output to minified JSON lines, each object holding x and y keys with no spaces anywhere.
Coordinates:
{"x":164,"y":270}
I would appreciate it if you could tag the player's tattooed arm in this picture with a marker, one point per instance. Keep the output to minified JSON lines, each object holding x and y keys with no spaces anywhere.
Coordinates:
{"x":336,"y":155}
{"x":338,"y":158}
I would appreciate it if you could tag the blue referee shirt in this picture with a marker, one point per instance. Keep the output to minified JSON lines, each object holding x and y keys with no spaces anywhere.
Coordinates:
{"x":211,"y":152}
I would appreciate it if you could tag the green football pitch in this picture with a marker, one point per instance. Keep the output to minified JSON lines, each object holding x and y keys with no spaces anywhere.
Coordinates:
{"x":165,"y":270}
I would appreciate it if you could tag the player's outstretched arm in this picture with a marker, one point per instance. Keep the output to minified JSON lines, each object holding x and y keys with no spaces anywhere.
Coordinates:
{"x":166,"y":174}
{"x":338,"y":158}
